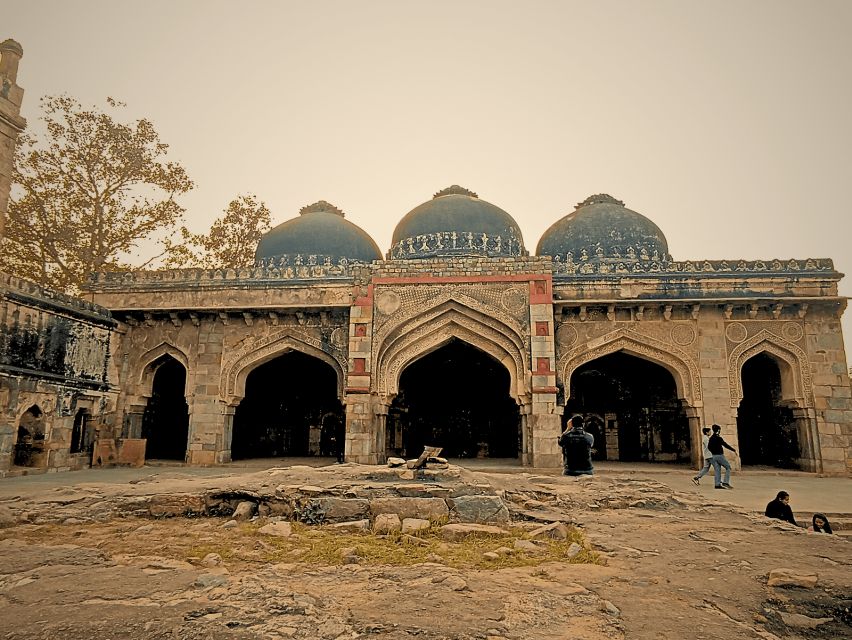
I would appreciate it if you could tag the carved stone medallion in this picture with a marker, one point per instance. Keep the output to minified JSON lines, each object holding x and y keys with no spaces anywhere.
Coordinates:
{"x":388,"y":302}
{"x":736,"y":332}
{"x":683,"y":334}
{"x":792,"y":331}
{"x":339,"y":337}
{"x":566,"y":335}
{"x":513,"y":300}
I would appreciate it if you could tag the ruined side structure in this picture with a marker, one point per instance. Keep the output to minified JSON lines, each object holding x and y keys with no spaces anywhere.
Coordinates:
{"x":459,"y":338}
{"x":54,"y":349}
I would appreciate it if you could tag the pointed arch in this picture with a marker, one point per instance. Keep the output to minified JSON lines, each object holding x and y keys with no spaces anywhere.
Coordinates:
{"x":152,"y":359}
{"x":677,"y":362}
{"x":418,"y":336}
{"x":236,"y":370}
{"x":796,"y":383}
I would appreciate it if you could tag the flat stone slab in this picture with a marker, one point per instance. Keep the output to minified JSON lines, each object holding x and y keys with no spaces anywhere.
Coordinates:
{"x":425,"y":508}
{"x":456,"y":532}
{"x":481,"y":509}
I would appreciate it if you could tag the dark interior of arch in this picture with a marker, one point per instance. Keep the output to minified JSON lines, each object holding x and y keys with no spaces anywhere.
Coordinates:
{"x":290,"y":408}
{"x":29,"y":442}
{"x":165,"y":423}
{"x":766,"y":430}
{"x":456,"y":397}
{"x":631,"y":408}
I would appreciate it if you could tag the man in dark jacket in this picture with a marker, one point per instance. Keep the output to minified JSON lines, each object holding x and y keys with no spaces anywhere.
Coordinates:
{"x":577,"y":449}
{"x":780,"y":508}
{"x":717,"y":445}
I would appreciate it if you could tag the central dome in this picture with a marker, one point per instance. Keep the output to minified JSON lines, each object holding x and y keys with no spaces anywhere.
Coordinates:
{"x":455,"y":222}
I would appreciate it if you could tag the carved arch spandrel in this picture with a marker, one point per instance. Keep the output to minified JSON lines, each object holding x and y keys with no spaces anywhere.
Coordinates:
{"x":146,"y":372}
{"x":685,"y":372}
{"x":419,"y":344}
{"x":791,"y":355}
{"x":434,"y":327}
{"x":445,"y":300}
{"x":236,"y":369}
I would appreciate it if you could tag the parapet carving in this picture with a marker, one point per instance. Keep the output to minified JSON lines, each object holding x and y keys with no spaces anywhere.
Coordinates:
{"x":622,"y":262}
{"x":684,"y":370}
{"x":257,"y":352}
{"x":791,"y":355}
{"x":20,"y":286}
{"x":466,"y":243}
{"x":295,"y":267}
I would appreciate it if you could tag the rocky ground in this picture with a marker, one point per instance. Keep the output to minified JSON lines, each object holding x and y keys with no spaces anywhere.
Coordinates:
{"x":177,"y":556}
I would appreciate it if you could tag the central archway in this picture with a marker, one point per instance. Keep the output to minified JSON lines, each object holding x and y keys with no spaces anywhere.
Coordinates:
{"x":456,"y":397}
{"x":290,"y":408}
{"x":632,"y":409}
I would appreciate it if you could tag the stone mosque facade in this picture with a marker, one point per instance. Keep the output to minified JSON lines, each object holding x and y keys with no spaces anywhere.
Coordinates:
{"x":458,"y":337}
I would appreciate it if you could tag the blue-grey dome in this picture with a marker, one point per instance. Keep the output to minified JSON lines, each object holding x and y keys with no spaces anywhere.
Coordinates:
{"x":602,"y":228}
{"x":320,"y":231}
{"x":455,"y":222}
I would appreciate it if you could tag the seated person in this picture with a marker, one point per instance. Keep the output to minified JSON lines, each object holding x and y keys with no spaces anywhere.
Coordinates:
{"x":780,"y":508}
{"x":819,"y":524}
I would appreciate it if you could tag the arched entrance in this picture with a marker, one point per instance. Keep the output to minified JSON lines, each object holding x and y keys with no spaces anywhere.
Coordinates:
{"x":290,"y":408}
{"x":165,"y":423}
{"x":632,"y":409}
{"x":766,"y":428}
{"x":456,"y":397}
{"x":29,"y":444}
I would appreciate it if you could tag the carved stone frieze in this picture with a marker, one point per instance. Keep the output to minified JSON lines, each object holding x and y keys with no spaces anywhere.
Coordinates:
{"x":791,"y":355}
{"x":417,"y":300}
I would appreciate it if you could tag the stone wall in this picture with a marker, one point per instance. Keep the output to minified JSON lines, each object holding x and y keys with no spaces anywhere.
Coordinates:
{"x":11,"y":122}
{"x":54,"y":362}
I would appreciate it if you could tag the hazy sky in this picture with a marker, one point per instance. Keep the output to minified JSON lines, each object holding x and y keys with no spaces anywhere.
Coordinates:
{"x":729,"y":124}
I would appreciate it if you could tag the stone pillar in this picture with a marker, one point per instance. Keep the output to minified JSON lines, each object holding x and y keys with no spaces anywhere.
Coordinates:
{"x":365,"y":428}
{"x":696,"y":454}
{"x":132,"y":427}
{"x":544,"y":418}
{"x":810,"y":457}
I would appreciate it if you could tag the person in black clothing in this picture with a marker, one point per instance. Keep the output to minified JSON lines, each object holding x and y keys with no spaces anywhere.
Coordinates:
{"x":780,"y":508}
{"x":717,"y":445}
{"x":577,"y":449}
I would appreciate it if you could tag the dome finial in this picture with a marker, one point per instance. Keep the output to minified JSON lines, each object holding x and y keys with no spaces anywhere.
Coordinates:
{"x":455,"y":190}
{"x":599,"y":198}
{"x":321,"y":206}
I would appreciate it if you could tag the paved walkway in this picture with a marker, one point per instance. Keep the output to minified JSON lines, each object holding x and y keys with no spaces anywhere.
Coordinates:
{"x":753,"y":487}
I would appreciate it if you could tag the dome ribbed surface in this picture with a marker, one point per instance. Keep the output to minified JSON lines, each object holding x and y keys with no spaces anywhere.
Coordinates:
{"x":320,"y":230}
{"x":602,"y":228}
{"x":456,"y":223}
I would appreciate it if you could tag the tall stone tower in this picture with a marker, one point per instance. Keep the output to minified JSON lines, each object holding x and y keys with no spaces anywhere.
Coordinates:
{"x":11,"y":122}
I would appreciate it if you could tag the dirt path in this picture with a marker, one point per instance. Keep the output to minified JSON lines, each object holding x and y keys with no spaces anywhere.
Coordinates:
{"x":82,"y":561}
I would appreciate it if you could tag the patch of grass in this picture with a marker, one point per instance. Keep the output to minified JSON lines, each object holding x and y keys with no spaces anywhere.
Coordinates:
{"x":242,"y":546}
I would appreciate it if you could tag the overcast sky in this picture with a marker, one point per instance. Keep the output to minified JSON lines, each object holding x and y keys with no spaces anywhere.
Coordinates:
{"x":729,"y":124}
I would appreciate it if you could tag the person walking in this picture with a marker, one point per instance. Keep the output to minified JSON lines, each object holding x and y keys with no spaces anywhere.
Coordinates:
{"x":577,"y":449}
{"x":717,"y":445}
{"x":705,"y":452}
{"x":780,"y":509}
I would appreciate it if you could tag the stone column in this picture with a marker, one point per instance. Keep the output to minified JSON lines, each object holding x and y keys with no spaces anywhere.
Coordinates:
{"x":807,"y":429}
{"x":132,"y":427}
{"x":365,"y":428}
{"x":696,"y":454}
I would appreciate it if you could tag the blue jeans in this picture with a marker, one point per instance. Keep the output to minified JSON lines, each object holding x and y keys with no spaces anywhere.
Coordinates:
{"x":705,"y":469}
{"x":719,"y":462}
